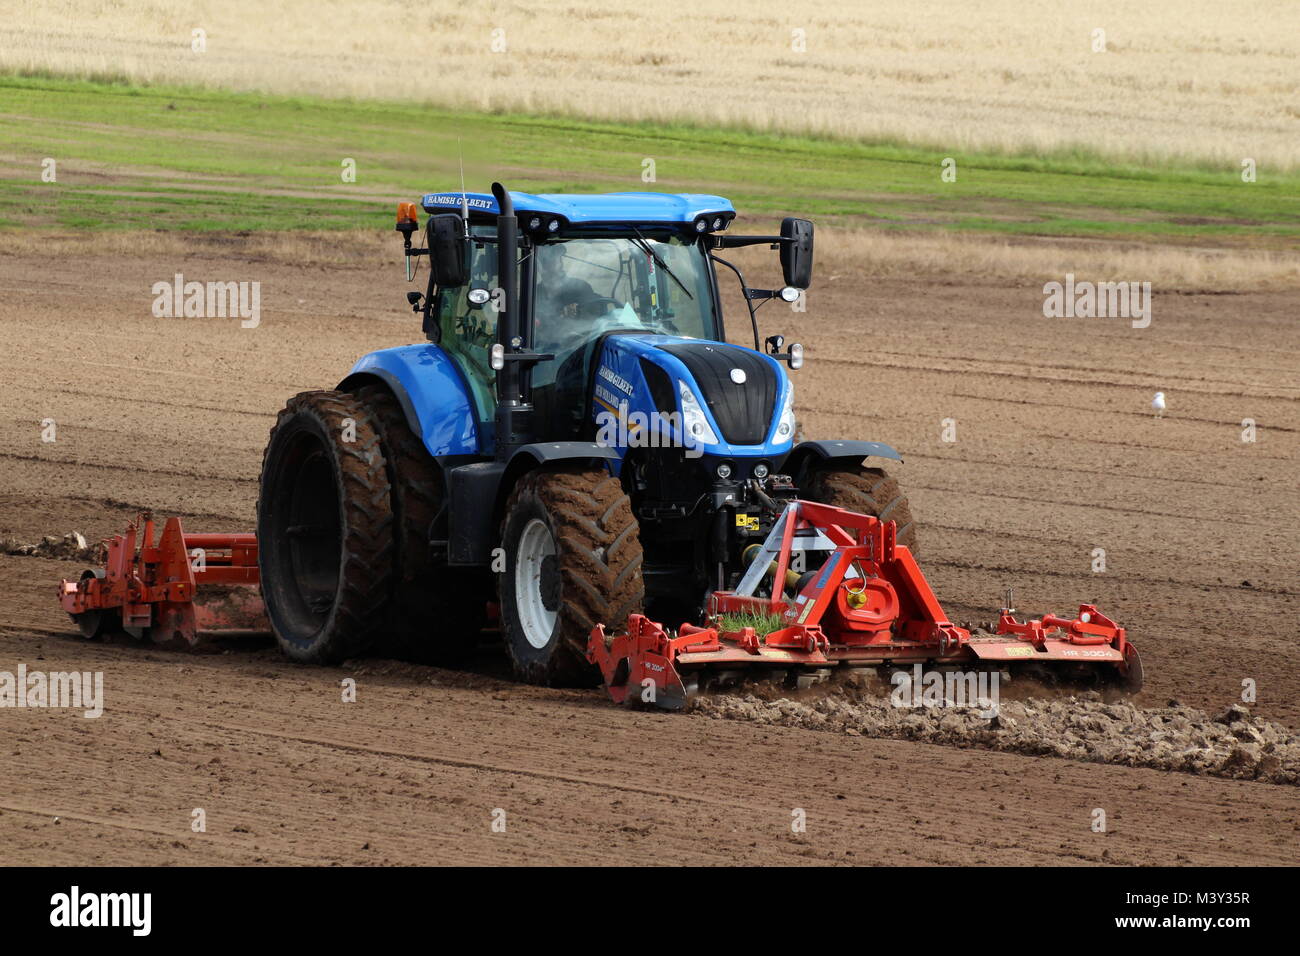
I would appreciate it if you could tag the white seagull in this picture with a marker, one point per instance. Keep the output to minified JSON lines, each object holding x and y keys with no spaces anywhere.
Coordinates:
{"x":1158,"y":404}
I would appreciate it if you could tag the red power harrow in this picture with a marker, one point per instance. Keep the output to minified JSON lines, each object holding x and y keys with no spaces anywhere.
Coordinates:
{"x":867,"y":604}
{"x":183,"y":589}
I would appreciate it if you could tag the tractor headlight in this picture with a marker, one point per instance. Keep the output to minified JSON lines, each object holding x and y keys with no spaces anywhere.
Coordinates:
{"x":785,"y":426}
{"x":697,"y":429}
{"x":553,"y":226}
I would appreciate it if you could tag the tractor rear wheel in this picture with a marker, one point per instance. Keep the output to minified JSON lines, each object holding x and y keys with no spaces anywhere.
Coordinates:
{"x":572,"y":561}
{"x":868,"y":491}
{"x":435,"y":613}
{"x":325,"y":528}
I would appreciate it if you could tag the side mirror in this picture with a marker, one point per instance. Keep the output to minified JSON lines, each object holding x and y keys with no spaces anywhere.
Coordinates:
{"x":448,"y":250}
{"x":797,"y":252}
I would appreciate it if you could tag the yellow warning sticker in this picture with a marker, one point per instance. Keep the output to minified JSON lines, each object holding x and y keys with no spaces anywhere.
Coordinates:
{"x":747,"y":522}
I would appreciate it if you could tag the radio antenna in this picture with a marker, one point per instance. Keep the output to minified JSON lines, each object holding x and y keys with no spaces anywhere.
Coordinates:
{"x":464,"y":198}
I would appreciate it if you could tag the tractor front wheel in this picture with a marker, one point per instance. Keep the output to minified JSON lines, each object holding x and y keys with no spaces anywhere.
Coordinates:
{"x":325,"y":528}
{"x":572,"y":561}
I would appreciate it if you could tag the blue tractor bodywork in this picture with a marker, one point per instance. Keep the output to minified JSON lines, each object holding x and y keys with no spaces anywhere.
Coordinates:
{"x":433,"y":394}
{"x":625,"y":411}
{"x":624,"y":398}
{"x":632,"y":208}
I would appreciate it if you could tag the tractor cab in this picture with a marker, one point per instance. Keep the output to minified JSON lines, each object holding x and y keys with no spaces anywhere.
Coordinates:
{"x":586,"y":269}
{"x":583,"y":288}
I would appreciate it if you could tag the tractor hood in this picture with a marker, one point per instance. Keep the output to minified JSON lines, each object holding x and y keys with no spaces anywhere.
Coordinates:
{"x":709,"y":397}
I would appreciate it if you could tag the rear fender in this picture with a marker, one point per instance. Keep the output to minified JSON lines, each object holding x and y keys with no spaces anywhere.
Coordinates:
{"x":432,"y":393}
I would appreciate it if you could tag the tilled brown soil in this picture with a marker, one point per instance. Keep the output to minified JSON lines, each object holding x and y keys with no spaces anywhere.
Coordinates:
{"x":1083,"y":727}
{"x":1056,"y":455}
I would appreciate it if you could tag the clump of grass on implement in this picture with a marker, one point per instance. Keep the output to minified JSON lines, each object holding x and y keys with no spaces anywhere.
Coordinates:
{"x":737,"y":621}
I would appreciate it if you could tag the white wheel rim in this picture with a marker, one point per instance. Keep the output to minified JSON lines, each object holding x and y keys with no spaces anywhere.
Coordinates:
{"x":535,"y":545}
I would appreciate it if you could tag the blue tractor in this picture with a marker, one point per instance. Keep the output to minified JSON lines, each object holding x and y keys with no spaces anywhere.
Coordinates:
{"x":574,"y":442}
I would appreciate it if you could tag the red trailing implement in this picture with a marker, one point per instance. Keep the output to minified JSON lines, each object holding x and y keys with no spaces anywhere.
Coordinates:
{"x":866,"y":604}
{"x":179,"y":591}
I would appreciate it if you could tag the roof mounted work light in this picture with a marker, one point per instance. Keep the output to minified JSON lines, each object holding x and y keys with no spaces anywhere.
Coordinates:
{"x":712,"y":222}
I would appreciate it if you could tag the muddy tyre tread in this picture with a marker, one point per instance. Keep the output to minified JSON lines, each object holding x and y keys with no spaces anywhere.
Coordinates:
{"x":434,"y":615}
{"x":600,"y":560}
{"x":366,"y":553}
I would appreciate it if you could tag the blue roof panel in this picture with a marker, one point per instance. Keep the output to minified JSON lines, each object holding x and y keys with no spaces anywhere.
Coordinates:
{"x":590,"y":208}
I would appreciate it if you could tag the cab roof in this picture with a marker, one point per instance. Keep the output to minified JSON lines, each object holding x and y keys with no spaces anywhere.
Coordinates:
{"x":671,"y":208}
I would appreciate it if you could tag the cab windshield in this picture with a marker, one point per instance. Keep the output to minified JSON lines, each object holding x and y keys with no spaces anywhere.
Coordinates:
{"x":587,"y":286}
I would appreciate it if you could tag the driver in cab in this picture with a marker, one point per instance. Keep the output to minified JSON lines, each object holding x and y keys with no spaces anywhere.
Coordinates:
{"x":560,"y":295}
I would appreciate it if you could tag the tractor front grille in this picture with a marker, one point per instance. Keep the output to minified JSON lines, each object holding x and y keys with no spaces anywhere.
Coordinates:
{"x":742,"y":410}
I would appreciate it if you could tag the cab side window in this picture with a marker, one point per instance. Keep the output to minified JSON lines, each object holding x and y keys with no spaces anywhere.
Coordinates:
{"x":468,"y":330}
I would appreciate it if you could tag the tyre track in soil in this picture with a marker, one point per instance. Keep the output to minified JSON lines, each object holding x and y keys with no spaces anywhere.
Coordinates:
{"x":416,"y":768}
